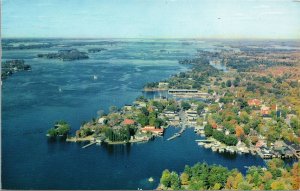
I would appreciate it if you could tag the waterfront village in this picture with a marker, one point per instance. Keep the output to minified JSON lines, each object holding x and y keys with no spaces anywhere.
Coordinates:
{"x":252,"y":107}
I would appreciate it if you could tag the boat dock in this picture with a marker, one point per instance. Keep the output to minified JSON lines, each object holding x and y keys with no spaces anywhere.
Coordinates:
{"x":91,"y":143}
{"x":178,"y":134}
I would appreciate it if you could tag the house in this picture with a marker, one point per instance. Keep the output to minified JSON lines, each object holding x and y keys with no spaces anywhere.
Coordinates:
{"x":102,"y":120}
{"x":260,"y":143}
{"x":254,"y":102}
{"x":128,"y":107}
{"x":264,"y":110}
{"x":163,"y":85}
{"x":128,"y":122}
{"x":153,"y":130}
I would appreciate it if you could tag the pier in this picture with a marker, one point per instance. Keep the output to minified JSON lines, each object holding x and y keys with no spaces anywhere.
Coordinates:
{"x":91,"y":143}
{"x":177,"y":134}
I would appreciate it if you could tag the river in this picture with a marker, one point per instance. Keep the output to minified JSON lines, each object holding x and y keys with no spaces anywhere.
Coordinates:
{"x":53,"y":90}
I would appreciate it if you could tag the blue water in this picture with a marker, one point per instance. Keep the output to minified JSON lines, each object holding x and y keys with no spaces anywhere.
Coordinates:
{"x":32,"y":102}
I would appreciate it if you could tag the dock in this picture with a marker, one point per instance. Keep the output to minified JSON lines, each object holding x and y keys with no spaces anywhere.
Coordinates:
{"x":177,"y":134}
{"x":91,"y":143}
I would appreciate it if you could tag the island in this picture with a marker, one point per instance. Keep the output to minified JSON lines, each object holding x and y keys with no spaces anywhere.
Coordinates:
{"x":10,"y":67}
{"x":65,"y":55}
{"x":60,"y":129}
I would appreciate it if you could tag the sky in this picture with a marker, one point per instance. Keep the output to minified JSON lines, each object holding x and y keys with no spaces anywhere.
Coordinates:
{"x":268,"y":19}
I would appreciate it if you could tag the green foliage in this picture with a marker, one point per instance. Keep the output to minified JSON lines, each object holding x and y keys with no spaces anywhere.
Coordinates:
{"x":208,"y":130}
{"x":185,"y":105}
{"x":61,"y":128}
{"x":166,"y":178}
{"x":212,"y":177}
{"x":228,"y":83}
{"x":52,"y":132}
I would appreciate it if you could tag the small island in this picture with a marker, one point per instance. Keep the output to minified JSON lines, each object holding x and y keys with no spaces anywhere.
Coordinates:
{"x":10,"y":67}
{"x":65,"y":55}
{"x":60,"y":129}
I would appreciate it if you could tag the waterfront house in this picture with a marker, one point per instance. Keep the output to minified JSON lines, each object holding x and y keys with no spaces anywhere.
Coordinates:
{"x":102,"y":120}
{"x":128,"y":107}
{"x":295,"y":148}
{"x":163,"y":85}
{"x":153,"y":130}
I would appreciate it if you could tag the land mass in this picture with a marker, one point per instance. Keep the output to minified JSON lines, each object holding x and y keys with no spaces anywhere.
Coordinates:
{"x":65,"y":55}
{"x":10,"y":67}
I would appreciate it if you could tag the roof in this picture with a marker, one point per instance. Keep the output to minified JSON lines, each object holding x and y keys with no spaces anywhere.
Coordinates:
{"x":128,"y":122}
{"x":255,"y":102}
{"x":152,"y":129}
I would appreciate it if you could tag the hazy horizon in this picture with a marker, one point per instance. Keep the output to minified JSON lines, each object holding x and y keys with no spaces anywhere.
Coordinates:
{"x":145,"y":19}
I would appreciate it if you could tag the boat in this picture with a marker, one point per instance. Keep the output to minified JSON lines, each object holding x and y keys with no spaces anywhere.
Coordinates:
{"x":221,"y":150}
{"x":150,"y":179}
{"x":201,"y":143}
{"x":214,"y":149}
{"x":95,"y":77}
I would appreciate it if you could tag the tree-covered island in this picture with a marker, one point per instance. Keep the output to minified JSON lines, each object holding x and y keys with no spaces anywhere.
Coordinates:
{"x":10,"y":67}
{"x":65,"y":55}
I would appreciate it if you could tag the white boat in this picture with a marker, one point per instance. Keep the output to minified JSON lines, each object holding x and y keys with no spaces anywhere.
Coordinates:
{"x":95,"y":77}
{"x":201,"y":143}
{"x":221,"y":150}
{"x":214,"y":149}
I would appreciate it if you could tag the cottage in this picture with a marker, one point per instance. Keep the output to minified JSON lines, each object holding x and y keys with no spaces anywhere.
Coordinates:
{"x":102,"y":120}
{"x":153,"y":130}
{"x":264,"y":110}
{"x":163,"y":85}
{"x":128,"y":107}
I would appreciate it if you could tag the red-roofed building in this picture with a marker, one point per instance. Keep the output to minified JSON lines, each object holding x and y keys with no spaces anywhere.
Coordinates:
{"x":153,"y":130}
{"x":259,"y":144}
{"x":254,"y":102}
{"x":128,"y":122}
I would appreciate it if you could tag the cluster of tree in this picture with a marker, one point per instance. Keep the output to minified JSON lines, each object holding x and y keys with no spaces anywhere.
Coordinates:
{"x":25,"y":47}
{"x":122,"y":134}
{"x":201,"y":176}
{"x":61,"y":128}
{"x":11,"y":66}
{"x":149,"y":118}
{"x":246,"y":65}
{"x":230,"y":140}
{"x":151,"y":85}
{"x":66,"y":55}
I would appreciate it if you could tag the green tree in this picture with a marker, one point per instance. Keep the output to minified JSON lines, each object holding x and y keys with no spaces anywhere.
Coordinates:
{"x":175,"y":181}
{"x":185,"y":105}
{"x":228,"y":83}
{"x":208,"y":130}
{"x":166,"y":178}
{"x":52,"y":132}
{"x":184,"y":177}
